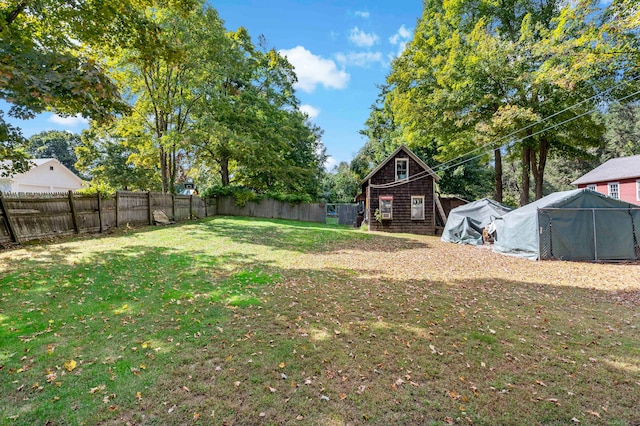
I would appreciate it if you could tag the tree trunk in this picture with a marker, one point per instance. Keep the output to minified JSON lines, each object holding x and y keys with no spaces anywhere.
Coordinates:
{"x":526,"y":165}
{"x":224,"y":171}
{"x":173,"y":169}
{"x":163,"y":169}
{"x":498,"y":174}
{"x":537,"y":167}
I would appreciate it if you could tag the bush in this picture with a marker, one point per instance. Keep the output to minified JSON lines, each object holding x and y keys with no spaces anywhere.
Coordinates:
{"x":243,"y":195}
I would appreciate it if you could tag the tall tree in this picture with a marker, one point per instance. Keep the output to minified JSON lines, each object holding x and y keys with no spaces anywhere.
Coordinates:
{"x":477,"y":71}
{"x":249,"y":126}
{"x":49,"y":60}
{"x":165,"y":86}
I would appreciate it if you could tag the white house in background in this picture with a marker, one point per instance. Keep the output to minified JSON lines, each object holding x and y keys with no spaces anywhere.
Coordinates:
{"x":45,"y":175}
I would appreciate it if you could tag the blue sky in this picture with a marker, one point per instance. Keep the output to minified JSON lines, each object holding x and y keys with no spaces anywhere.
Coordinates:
{"x":340,"y":49}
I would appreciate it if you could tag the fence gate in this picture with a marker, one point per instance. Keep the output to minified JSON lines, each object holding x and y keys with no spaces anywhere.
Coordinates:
{"x":342,"y":214}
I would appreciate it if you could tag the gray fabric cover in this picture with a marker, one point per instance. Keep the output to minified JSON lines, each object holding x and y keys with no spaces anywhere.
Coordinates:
{"x":548,"y":228}
{"x":465,"y":223}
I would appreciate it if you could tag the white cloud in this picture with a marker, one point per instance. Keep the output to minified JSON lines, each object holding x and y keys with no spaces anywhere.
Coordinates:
{"x":359,"y":59}
{"x":362,"y":39}
{"x":313,"y":70}
{"x":75,"y":121}
{"x":362,"y":14}
{"x":401,"y":38}
{"x":329,"y":163}
{"x":311,"y":111}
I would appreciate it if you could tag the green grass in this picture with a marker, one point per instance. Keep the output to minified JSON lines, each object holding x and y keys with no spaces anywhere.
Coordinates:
{"x":244,"y":321}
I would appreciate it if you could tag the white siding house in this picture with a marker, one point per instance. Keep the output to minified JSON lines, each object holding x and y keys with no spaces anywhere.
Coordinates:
{"x":45,"y":175}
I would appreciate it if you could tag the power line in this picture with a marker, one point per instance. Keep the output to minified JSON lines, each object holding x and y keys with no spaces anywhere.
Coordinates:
{"x":423,"y":174}
{"x":533,"y":134}
{"x":515,"y":132}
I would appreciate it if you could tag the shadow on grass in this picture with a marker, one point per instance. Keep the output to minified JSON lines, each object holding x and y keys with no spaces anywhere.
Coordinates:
{"x":238,"y":340}
{"x":351,"y":351}
{"x":305,"y":237}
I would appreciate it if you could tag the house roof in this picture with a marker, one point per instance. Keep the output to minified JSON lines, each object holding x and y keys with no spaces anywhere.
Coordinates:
{"x":37,"y":162}
{"x":410,"y":154}
{"x":614,"y":169}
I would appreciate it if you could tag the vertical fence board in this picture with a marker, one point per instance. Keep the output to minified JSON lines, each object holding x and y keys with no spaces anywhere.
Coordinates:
{"x":7,"y":220}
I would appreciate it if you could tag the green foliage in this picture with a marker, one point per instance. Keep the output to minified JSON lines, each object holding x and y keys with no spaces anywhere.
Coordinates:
{"x":116,"y":163}
{"x":476,"y":72}
{"x":340,"y":185}
{"x":243,"y":195}
{"x":55,"y":144}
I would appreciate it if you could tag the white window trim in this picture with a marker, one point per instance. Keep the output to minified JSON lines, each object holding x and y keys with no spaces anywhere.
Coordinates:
{"x":638,"y":189}
{"x":609,"y":184}
{"x":592,"y":187}
{"x":395,"y":171}
{"x":422,"y":198}
{"x":384,"y":214}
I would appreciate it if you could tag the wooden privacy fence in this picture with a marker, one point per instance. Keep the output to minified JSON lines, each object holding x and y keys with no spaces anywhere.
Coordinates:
{"x":273,"y":209}
{"x":25,"y":217}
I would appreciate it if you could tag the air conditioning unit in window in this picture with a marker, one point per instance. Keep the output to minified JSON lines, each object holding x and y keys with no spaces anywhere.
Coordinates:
{"x":386,"y":215}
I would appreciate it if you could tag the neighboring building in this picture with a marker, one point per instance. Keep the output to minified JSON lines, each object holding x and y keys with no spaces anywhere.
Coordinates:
{"x":399,"y":195}
{"x":45,"y":175}
{"x":618,"y":178}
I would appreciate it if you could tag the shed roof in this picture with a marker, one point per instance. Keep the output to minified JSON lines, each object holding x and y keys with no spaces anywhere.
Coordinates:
{"x":614,"y":169}
{"x":410,"y":154}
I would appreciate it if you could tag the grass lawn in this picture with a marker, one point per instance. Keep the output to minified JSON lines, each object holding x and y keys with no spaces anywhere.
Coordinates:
{"x":244,"y":321}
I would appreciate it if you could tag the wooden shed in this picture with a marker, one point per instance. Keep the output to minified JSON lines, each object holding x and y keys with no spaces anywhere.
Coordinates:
{"x":400,"y":195}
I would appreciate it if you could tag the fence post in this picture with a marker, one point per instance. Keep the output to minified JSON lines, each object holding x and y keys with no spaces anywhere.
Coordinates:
{"x":206,"y":213}
{"x":72,"y":206}
{"x":99,"y":211}
{"x":149,"y":209}
{"x":117,"y":208}
{"x":190,"y":207}
{"x":7,"y":220}
{"x":173,"y":207}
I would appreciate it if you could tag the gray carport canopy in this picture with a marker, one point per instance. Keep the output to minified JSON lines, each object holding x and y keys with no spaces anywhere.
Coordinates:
{"x":571,"y":225}
{"x":466,"y":223}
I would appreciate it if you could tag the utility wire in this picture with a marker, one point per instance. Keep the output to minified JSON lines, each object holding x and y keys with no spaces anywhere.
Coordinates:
{"x":534,"y":134}
{"x":538,"y":122}
{"x":441,"y":167}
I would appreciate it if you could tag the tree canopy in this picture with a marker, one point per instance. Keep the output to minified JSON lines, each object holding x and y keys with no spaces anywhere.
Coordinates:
{"x":508,"y":78}
{"x":168,"y":90}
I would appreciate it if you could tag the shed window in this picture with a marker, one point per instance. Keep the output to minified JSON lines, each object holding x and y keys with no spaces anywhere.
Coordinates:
{"x":386,"y":207}
{"x":614,"y":190}
{"x":592,"y":187}
{"x":402,"y":168}
{"x":50,"y":167}
{"x":417,"y":207}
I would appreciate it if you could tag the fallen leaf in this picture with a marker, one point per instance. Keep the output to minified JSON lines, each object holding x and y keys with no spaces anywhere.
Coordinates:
{"x":594,"y":413}
{"x":70,"y":365}
{"x":272,"y":390}
{"x":196,"y":415}
{"x":343,"y":395}
{"x":541,"y":383}
{"x":97,"y":388}
{"x":282,"y":365}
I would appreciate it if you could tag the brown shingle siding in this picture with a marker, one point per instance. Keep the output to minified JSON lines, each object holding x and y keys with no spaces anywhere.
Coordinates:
{"x":402,"y":193}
